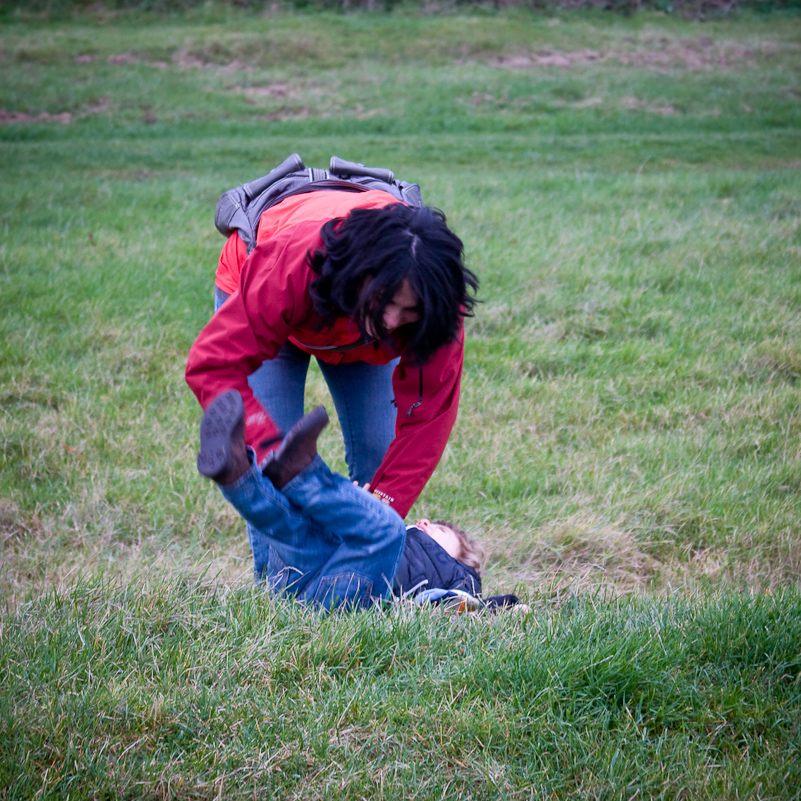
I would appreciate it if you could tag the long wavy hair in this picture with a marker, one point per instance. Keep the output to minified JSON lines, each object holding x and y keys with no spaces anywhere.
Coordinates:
{"x":367,"y":256}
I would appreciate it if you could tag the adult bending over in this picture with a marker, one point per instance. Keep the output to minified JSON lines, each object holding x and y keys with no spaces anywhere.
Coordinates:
{"x":376,"y":291}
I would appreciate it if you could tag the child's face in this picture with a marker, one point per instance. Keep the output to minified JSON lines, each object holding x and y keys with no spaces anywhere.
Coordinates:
{"x":442,"y":535}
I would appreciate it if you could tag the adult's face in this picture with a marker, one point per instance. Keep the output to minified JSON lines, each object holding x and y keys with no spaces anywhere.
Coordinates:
{"x":401,"y":310}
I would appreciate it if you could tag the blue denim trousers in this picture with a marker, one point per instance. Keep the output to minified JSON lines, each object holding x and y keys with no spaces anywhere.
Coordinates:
{"x":362,"y":394}
{"x":320,"y":538}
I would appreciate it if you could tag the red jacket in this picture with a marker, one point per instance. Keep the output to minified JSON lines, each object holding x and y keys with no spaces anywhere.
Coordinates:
{"x":272,"y":304}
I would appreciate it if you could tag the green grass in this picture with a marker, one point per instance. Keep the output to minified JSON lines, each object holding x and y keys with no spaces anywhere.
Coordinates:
{"x":628,"y":446}
{"x":181,"y":690}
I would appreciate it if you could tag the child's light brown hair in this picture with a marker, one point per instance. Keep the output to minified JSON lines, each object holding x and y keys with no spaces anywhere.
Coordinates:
{"x":470,"y":552}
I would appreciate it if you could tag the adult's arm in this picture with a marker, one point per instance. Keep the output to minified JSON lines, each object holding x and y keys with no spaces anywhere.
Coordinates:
{"x":253,"y":324}
{"x":421,"y":431}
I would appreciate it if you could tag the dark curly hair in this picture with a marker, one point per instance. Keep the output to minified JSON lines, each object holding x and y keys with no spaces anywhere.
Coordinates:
{"x":367,"y":255}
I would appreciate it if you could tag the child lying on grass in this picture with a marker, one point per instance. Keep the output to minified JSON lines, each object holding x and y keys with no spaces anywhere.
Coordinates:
{"x":316,"y":536}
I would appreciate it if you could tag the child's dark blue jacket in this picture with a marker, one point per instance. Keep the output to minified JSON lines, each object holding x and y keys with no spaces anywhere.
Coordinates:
{"x":425,"y":564}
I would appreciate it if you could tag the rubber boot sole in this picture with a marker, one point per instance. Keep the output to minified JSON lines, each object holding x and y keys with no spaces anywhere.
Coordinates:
{"x":225,"y":414}
{"x":298,"y":448}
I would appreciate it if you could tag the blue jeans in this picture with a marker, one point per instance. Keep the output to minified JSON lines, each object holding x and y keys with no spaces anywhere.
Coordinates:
{"x":362,"y":394}
{"x":320,"y":538}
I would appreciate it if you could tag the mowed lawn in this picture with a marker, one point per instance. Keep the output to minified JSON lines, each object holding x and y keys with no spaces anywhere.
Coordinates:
{"x":628,"y":446}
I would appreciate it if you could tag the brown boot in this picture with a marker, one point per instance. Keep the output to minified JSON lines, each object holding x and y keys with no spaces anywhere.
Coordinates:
{"x":223,"y":456}
{"x":298,"y":449}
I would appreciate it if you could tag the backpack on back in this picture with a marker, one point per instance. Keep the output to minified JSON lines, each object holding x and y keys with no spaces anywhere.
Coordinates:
{"x":240,"y":209}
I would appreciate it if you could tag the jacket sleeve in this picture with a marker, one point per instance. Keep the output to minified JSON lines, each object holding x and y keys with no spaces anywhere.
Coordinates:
{"x":252,"y":325}
{"x":427,"y":405}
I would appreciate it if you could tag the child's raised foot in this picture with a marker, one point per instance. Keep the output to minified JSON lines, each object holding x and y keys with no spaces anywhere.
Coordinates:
{"x":223,"y":456}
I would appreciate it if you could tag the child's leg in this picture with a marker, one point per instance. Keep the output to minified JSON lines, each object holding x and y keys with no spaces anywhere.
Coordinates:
{"x":288,"y":551}
{"x":368,"y":537}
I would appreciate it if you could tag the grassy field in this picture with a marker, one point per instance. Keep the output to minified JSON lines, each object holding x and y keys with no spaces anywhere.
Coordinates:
{"x":175,"y":691}
{"x":628,"y":446}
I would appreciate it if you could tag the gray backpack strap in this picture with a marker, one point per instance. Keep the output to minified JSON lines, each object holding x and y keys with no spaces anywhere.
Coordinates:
{"x":240,"y":209}
{"x":377,"y":178}
{"x":231,"y":213}
{"x":341,"y":167}
{"x":292,"y":164}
